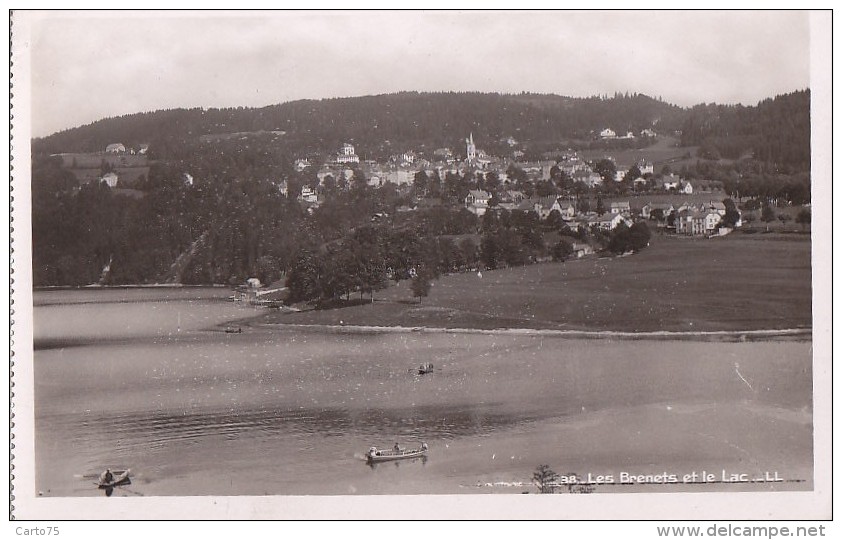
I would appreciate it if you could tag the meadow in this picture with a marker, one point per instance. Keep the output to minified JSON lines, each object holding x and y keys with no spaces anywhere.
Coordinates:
{"x":664,"y":152}
{"x":734,"y":283}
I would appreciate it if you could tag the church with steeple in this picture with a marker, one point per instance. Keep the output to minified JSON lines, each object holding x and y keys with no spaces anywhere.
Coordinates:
{"x":471,"y":152}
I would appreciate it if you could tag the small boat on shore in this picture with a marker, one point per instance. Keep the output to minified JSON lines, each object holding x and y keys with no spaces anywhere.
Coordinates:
{"x":375,"y":455}
{"x":117,"y":478}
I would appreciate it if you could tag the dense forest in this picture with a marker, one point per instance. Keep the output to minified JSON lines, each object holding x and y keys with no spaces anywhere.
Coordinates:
{"x":776,"y":131}
{"x":233,"y":222}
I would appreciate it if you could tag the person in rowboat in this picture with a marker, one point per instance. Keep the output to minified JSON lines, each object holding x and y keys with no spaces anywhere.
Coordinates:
{"x":107,"y":477}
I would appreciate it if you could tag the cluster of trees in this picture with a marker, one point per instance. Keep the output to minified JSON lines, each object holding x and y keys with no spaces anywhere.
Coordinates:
{"x":768,"y":214}
{"x":511,"y":238}
{"x":78,"y":229}
{"x":624,"y":239}
{"x":224,"y":228}
{"x":750,"y":178}
{"x":547,"y":481}
{"x":366,"y":259}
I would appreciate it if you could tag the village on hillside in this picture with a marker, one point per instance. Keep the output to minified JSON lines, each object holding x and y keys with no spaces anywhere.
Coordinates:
{"x":563,"y":185}
{"x":421,"y":208}
{"x":567,"y":181}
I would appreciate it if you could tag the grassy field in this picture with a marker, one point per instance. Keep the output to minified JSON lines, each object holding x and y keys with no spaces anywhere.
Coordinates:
{"x":752,"y":223}
{"x":663,"y":152}
{"x":739,"y":282}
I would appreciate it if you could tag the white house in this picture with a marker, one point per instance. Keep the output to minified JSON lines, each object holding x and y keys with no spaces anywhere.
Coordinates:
{"x":477,"y":201}
{"x":565,"y":208}
{"x":694,"y":223}
{"x":620,"y":207}
{"x":115,"y":148}
{"x":510,"y":199}
{"x":308,"y":195}
{"x":588,"y":177}
{"x":544,"y":205}
{"x":671,"y":182}
{"x":110,"y":179}
{"x":712,"y":219}
{"x":400,"y":177}
{"x":407,"y":157}
{"x":606,"y":222}
{"x":686,"y":188}
{"x":347,"y":154}
{"x":686,"y":206}
{"x":608,"y":133}
{"x":689,"y":222}
{"x":580,"y":250}
{"x":645,"y":167}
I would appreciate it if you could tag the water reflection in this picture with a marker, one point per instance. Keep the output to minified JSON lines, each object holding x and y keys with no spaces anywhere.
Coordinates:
{"x":408,"y":424}
{"x":397,"y":463}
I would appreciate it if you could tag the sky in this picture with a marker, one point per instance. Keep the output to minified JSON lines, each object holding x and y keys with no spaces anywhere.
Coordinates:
{"x":92,"y":65}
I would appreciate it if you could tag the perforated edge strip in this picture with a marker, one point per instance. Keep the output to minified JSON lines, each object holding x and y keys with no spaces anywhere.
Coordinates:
{"x":11,"y":288}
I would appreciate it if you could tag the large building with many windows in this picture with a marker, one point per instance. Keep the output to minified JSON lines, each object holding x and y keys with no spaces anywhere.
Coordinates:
{"x":347,"y":154}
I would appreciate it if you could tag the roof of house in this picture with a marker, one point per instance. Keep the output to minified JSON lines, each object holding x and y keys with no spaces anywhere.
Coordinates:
{"x":691,"y":213}
{"x":603,"y":218}
{"x":479,"y":194}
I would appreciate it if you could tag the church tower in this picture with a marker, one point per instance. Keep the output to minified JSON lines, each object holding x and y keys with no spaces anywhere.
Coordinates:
{"x":471,"y":149}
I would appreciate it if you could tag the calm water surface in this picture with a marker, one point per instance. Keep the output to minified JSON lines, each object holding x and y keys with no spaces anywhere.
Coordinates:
{"x":148,"y":379}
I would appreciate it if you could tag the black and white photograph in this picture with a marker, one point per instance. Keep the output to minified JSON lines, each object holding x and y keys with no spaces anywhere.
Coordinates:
{"x":284,"y":262}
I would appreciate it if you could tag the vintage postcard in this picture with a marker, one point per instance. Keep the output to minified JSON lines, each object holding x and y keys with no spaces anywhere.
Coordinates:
{"x":514,"y":264}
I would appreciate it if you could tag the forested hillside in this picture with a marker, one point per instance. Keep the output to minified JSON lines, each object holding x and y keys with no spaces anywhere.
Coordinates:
{"x":776,"y":131}
{"x":407,"y":119}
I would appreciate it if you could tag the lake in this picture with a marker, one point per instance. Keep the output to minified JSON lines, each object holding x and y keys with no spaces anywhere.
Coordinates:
{"x":147,"y":378}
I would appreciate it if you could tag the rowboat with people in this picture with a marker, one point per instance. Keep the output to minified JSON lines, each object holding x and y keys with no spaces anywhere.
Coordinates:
{"x":110,"y":479}
{"x":376,"y":455}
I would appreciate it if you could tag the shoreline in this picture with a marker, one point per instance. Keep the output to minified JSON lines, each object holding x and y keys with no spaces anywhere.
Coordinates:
{"x":805,"y":334}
